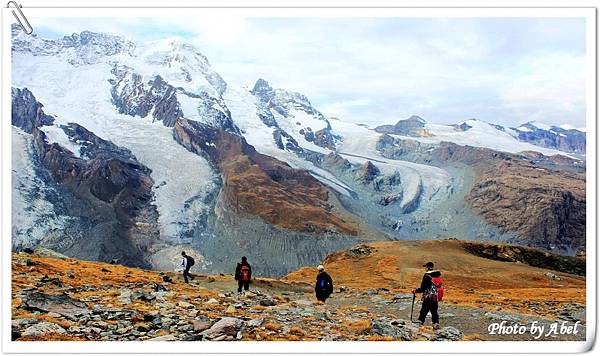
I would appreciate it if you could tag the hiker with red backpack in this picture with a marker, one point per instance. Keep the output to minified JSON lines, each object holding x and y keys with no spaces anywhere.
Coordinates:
{"x":243,"y":274}
{"x":187,"y":263}
{"x":433,"y":292}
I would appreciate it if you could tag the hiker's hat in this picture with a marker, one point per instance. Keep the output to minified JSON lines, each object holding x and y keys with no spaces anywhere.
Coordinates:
{"x":428,"y":264}
{"x":320,"y":267}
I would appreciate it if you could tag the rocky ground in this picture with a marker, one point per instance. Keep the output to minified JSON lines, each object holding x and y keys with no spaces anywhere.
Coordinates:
{"x":56,"y":298}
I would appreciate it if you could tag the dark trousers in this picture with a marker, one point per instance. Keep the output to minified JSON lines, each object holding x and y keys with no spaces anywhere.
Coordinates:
{"x":186,"y":274}
{"x":245,"y":284}
{"x":322,"y":297}
{"x":429,"y":306}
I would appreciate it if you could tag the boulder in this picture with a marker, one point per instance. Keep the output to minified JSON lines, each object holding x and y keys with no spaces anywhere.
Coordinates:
{"x":60,"y":304}
{"x":226,"y":326}
{"x":46,"y":252}
{"x":201,"y":324}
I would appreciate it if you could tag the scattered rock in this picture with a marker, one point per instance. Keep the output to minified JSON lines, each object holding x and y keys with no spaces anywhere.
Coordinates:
{"x":504,"y":317}
{"x":267,"y":301}
{"x":360,"y":250}
{"x":15,"y":334}
{"x":394,"y":329}
{"x":447,"y":333}
{"x":255,"y":322}
{"x":552,"y":276}
{"x":379,"y":300}
{"x":185,"y":305}
{"x":168,"y":337}
{"x":167,"y":279}
{"x":303,"y":302}
{"x":125,"y":297}
{"x":42,"y":328}
{"x":402,"y":296}
{"x":160,"y":288}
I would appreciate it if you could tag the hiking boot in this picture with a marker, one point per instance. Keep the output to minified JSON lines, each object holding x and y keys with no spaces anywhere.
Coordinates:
{"x":436,"y":326}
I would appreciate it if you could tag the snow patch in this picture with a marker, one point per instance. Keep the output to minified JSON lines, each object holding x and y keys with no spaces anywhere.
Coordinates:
{"x":55,"y":134}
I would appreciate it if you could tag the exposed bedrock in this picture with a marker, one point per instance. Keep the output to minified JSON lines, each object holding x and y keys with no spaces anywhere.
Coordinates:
{"x":111,"y":196}
{"x":27,"y":112}
{"x":262,"y":186}
{"x":103,"y":190}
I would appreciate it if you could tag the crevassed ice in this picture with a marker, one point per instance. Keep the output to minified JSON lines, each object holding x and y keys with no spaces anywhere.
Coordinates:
{"x":82,"y":95}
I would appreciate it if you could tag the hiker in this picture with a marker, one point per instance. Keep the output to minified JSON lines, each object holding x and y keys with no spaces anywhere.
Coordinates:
{"x":188,"y":262}
{"x":324,"y":285}
{"x":433,"y":292}
{"x":243,"y":274}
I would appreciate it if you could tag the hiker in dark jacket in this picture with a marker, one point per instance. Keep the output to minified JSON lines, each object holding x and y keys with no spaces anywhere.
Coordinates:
{"x":430,"y":295}
{"x":243,"y":274}
{"x":187,"y":264}
{"x":324,"y":285}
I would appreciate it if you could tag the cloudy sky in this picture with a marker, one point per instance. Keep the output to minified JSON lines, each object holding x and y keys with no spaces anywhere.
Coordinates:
{"x":380,"y":70}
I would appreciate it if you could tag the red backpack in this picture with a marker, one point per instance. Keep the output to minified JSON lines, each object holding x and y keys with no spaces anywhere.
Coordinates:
{"x":245,"y":273}
{"x":437,"y":281}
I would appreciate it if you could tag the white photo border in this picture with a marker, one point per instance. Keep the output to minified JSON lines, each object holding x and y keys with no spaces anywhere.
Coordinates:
{"x":262,"y":347}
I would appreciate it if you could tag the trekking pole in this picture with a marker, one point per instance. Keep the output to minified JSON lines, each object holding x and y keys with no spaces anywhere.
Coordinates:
{"x":412,"y":307}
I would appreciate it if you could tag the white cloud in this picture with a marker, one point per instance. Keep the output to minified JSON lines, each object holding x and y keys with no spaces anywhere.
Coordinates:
{"x":381,"y":70}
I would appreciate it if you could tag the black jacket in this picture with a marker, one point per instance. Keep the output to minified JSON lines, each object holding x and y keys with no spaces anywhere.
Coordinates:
{"x":238,"y":272}
{"x":427,"y":282}
{"x":328,"y":284}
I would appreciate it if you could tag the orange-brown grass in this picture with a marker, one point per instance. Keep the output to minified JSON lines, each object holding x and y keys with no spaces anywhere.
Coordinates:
{"x":468,"y":279}
{"x":271,"y":326}
{"x":59,"y":321}
{"x":357,"y":327}
{"x":398,"y":265}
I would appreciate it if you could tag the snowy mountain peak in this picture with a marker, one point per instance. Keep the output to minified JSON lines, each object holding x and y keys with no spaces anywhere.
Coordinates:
{"x":78,"y":49}
{"x":571,"y":127}
{"x":184,"y":65}
{"x":174,"y":51}
{"x":537,"y":125}
{"x":416,"y":118}
{"x":262,"y":90}
{"x":284,"y":101}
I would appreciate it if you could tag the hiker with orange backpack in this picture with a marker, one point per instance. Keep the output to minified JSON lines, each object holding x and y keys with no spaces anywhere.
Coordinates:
{"x":243,"y":274}
{"x":433,"y":292}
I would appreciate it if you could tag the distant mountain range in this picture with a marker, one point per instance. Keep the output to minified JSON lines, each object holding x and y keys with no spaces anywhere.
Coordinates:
{"x":135,"y":151}
{"x":564,"y":137}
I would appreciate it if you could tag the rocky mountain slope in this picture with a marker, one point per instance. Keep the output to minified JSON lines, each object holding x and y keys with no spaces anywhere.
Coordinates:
{"x":57,"y":298}
{"x":540,"y":198}
{"x":136,"y":151}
